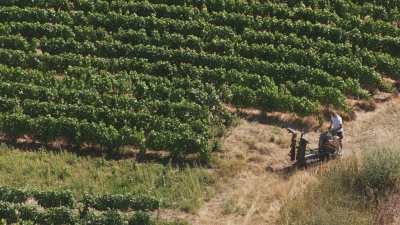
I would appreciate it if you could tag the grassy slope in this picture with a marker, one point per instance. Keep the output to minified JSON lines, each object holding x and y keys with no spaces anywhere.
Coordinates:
{"x":183,"y":188}
{"x":246,"y":195}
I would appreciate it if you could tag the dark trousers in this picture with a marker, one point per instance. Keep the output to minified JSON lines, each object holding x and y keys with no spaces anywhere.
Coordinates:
{"x":340,"y":135}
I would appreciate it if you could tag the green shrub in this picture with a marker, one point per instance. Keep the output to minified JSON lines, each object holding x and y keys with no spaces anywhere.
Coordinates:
{"x":380,"y":170}
{"x":14,"y":195}
{"x":49,"y":199}
{"x":141,"y":218}
{"x":121,"y":202}
{"x":377,"y":174}
{"x":112,"y":217}
{"x":60,"y":216}
{"x":8,"y":212}
{"x":31,"y":213}
{"x":91,"y":219}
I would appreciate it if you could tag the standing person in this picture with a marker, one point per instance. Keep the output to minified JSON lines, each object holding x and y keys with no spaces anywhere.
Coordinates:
{"x":326,"y":147}
{"x":336,"y":125}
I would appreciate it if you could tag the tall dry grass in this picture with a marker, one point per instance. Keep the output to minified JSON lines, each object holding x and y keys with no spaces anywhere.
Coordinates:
{"x":348,"y":191}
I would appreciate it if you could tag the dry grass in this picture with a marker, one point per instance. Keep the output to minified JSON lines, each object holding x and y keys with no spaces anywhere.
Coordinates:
{"x":347,"y":192}
{"x":388,"y":212}
{"x":247,"y":194}
{"x":350,"y":191}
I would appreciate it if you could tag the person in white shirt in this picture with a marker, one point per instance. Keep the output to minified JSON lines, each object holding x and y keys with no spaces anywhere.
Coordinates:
{"x":336,"y":124}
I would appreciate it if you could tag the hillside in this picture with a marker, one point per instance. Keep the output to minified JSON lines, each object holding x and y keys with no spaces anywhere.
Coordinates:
{"x":255,"y":195}
{"x":153,"y":75}
{"x":150,"y":111}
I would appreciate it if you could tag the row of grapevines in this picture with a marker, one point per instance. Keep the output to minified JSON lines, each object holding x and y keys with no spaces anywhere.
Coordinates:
{"x":320,"y":10}
{"x":142,"y":66}
{"x":228,"y":47}
{"x":23,"y":213}
{"x":385,"y":10}
{"x":76,"y":133}
{"x":115,"y":117}
{"x":14,"y":42}
{"x":250,"y":36}
{"x":121,"y":202}
{"x":258,"y":97}
{"x":180,"y":11}
{"x":45,"y":199}
{"x":383,"y":63}
{"x":138,"y":90}
{"x":13,"y":213}
{"x":41,"y":134}
{"x":235,"y":96}
{"x":12,"y":13}
{"x":272,"y":106}
{"x":154,"y":54}
{"x":377,"y":12}
{"x":197,"y":28}
{"x":313,"y":30}
{"x":179,"y":110}
{"x":242,"y":20}
{"x":62,"y":198}
{"x":94,"y":116}
{"x":344,"y":8}
{"x":344,"y":4}
{"x":344,"y":66}
{"x":264,"y":10}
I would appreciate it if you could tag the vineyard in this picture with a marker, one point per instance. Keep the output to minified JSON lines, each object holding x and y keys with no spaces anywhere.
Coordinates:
{"x":157,"y":74}
{"x":60,"y":207}
{"x":162,"y":76}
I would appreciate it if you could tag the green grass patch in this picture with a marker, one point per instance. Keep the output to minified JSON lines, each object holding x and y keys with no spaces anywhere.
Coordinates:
{"x":183,"y":188}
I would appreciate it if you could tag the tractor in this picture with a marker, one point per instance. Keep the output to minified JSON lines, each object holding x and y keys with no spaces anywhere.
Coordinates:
{"x":329,"y":147}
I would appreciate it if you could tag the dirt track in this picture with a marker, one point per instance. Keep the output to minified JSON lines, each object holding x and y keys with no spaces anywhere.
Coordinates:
{"x":254,"y":196}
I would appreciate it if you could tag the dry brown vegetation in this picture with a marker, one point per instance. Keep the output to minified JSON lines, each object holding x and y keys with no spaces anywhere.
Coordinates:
{"x":248,"y":194}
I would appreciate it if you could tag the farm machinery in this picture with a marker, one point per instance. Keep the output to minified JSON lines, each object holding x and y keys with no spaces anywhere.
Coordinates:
{"x":329,"y":147}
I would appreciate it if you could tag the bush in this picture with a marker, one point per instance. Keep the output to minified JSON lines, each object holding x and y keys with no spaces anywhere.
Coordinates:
{"x":8,"y":212}
{"x":380,"y":171}
{"x":60,"y":216}
{"x":13,"y":195}
{"x":141,"y":218}
{"x":377,"y":174}
{"x":112,"y":217}
{"x":121,"y":202}
{"x":31,"y":213}
{"x":50,"y":199}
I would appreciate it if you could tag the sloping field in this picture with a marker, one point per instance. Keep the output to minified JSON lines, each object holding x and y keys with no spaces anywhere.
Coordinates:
{"x":256,"y":196}
{"x":156,"y":78}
